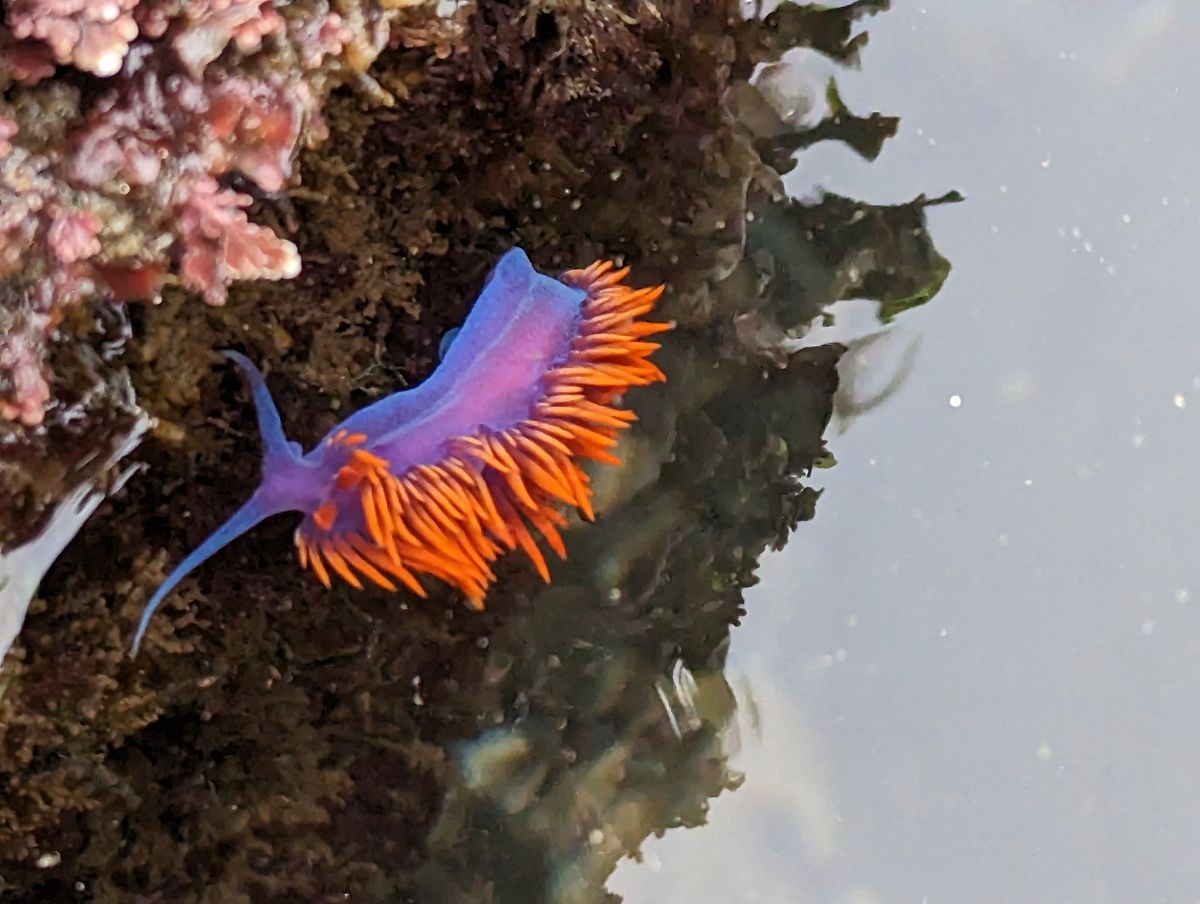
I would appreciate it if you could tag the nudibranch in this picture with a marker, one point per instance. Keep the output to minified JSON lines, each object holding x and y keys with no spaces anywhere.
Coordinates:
{"x":443,"y":478}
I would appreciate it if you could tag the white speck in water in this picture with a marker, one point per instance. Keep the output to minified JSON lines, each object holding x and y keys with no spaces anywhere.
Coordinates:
{"x":1166,"y":202}
{"x":1179,"y":401}
{"x":1028,"y":481}
{"x":596,"y":837}
{"x":933,"y":142}
{"x":840,"y":654}
{"x":1110,"y":269}
{"x":1003,"y":189}
{"x":1126,"y":218}
{"x":1148,"y":627}
{"x":1139,"y":440}
{"x":1046,"y":163}
{"x":1044,"y":751}
{"x":852,"y":620}
{"x":955,"y":401}
{"x":1087,"y":246}
{"x":819,"y":664}
{"x":1002,"y":540}
{"x":943,"y":632}
{"x":1182,"y":595}
{"x":1062,"y":232}
{"x":615,"y":175}
{"x":871,"y":462}
{"x":46,"y":861}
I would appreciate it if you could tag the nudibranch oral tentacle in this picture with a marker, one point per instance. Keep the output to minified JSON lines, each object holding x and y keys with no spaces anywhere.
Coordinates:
{"x":444,"y":478}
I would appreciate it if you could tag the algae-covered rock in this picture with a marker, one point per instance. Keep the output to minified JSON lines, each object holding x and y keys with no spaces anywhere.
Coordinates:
{"x":277,"y":741}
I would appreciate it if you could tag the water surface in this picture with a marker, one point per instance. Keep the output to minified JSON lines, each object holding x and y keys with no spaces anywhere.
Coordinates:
{"x":975,"y":672}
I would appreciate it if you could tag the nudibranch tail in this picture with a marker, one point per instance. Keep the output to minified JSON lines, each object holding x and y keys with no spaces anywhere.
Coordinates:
{"x":452,"y":517}
{"x":250,"y":514}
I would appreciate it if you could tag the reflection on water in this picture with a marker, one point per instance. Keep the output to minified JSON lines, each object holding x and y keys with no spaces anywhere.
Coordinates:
{"x":284,"y":743}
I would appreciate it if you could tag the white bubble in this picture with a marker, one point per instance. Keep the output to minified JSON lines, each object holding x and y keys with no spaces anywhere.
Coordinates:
{"x":955,"y":401}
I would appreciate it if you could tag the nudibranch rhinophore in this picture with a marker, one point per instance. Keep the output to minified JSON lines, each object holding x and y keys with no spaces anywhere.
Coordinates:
{"x":442,"y":478}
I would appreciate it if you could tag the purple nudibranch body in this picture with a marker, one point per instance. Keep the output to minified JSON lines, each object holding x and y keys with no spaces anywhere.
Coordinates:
{"x":442,"y":478}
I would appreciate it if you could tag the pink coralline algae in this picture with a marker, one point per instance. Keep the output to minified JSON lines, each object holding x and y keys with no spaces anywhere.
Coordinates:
{"x":221,"y":244}
{"x":26,"y":62}
{"x":155,"y":124}
{"x":255,"y":124}
{"x":92,"y":35}
{"x":8,"y":129}
{"x":45,"y":243}
{"x":212,"y":24}
{"x":109,"y":185}
{"x":72,"y":235}
{"x":22,"y":348}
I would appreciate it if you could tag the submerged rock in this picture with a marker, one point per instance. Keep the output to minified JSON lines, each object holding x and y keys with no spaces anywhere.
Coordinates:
{"x":276,"y":741}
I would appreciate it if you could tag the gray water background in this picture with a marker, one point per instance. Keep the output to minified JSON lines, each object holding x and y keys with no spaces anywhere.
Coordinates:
{"x":975,"y":676}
